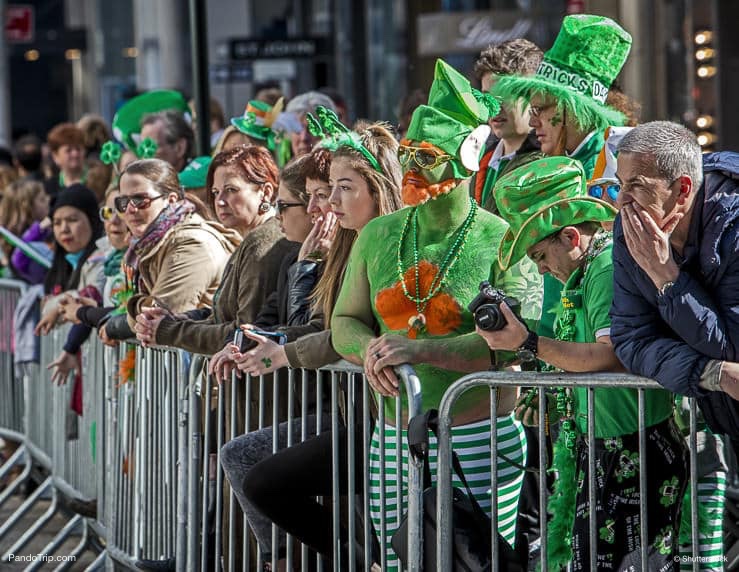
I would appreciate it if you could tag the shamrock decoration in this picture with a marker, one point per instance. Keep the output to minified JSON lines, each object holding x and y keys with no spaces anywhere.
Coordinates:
{"x":335,"y":134}
{"x":628,"y":465}
{"x":146,"y":149}
{"x":110,"y":153}
{"x":668,"y":492}
{"x":607,"y":532}
{"x":249,"y":118}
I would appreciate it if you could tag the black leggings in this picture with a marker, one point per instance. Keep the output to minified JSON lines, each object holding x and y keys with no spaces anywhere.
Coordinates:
{"x":284,"y":486}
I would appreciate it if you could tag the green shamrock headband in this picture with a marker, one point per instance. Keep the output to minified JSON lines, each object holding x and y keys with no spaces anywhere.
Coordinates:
{"x":111,"y":152}
{"x":335,"y":134}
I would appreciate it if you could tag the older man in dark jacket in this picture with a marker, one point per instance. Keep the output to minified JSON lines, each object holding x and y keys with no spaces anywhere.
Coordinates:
{"x":675,"y":313}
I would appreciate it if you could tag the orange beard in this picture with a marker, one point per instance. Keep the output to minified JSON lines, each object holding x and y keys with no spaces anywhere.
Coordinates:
{"x":417,"y":190}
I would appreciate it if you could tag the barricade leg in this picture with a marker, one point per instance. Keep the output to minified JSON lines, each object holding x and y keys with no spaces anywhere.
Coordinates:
{"x":78,"y":550}
{"x":13,"y":461}
{"x":26,"y":506}
{"x":98,"y":563}
{"x":37,"y":525}
{"x":57,"y":541}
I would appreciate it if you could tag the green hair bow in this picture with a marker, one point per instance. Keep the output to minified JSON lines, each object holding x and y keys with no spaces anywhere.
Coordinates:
{"x":335,"y":134}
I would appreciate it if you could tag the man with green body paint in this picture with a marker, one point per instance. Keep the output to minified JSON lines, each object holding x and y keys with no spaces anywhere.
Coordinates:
{"x":413,"y":273}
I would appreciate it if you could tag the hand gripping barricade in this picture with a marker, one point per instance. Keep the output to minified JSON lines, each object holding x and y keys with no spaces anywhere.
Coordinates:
{"x":310,"y":402}
{"x":496,"y":381}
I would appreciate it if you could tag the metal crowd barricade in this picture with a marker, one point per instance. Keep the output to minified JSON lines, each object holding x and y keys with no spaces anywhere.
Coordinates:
{"x":543,"y":381}
{"x":11,"y":404}
{"x":143,"y":481}
{"x":216,"y":424}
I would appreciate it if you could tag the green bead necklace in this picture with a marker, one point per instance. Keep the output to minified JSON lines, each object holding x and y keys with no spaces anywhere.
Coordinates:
{"x":418,"y":322}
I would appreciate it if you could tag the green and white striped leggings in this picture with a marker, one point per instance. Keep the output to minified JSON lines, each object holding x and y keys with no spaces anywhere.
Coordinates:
{"x":472,"y":444}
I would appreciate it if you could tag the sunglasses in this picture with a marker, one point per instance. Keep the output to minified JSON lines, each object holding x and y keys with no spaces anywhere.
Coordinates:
{"x":282,"y":205}
{"x":107,"y":213}
{"x":598,"y":188}
{"x":138,"y":202}
{"x":424,"y":158}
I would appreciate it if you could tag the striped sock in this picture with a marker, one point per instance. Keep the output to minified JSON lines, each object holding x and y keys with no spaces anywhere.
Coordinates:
{"x":472,"y":445}
{"x":711,"y":489}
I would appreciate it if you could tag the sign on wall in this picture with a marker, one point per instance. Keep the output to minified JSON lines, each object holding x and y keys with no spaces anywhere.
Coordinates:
{"x":466,"y":32}
{"x":19,"y":23}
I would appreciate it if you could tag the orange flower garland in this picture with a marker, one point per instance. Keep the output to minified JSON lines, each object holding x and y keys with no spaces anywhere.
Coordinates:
{"x":443,"y":313}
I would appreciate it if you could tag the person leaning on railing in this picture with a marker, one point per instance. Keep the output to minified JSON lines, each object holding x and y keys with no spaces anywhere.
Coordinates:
{"x":558,"y":226}
{"x":360,"y":192}
{"x":413,"y":273}
{"x":675,"y":300}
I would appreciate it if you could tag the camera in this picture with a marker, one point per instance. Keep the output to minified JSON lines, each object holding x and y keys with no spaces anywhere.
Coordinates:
{"x":486,"y":307}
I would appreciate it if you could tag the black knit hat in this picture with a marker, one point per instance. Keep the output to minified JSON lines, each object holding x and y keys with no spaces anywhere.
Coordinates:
{"x":82,"y":198}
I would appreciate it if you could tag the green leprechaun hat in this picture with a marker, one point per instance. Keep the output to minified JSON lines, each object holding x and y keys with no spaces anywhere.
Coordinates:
{"x":257,"y":121}
{"x":194,"y":175}
{"x":577,"y":71}
{"x":540,"y":198}
{"x":127,"y":120}
{"x":455,"y":119}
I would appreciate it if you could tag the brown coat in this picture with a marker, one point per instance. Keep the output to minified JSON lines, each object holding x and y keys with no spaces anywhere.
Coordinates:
{"x":250,"y":277}
{"x":183,"y":270}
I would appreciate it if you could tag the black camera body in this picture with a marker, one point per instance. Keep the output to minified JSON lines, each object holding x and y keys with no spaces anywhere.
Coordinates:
{"x":486,"y":307}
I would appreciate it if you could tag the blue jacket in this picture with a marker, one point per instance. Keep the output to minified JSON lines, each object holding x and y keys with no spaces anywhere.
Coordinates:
{"x":671,"y":339}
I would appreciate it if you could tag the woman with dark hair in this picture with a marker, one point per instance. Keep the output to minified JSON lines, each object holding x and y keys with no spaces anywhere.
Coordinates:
{"x":360,"y":190}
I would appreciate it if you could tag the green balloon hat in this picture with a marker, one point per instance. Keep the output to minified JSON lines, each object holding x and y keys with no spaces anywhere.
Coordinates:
{"x":194,"y":175}
{"x":541,"y":198}
{"x":127,"y":120}
{"x":577,"y":71}
{"x":454,"y":120}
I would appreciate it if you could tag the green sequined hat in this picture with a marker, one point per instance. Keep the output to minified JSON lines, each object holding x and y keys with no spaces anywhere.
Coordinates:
{"x":577,"y":71}
{"x":540,"y":198}
{"x":455,"y":119}
{"x":258,"y":120}
{"x":127,"y":120}
{"x":194,"y":175}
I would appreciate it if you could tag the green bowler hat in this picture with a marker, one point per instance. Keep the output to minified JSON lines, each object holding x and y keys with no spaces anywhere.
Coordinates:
{"x":195,"y":174}
{"x":541,"y":198}
{"x":578,"y":70}
{"x":455,"y":119}
{"x":127,"y":120}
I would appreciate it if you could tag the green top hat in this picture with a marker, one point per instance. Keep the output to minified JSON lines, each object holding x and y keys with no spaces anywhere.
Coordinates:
{"x":258,"y":119}
{"x":194,"y":175}
{"x":578,"y":70}
{"x":455,"y":119}
{"x":127,"y":120}
{"x":541,"y":198}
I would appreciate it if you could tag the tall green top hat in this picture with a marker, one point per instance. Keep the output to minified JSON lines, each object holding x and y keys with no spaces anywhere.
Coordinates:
{"x":127,"y":120}
{"x":258,"y":119}
{"x":578,"y":70}
{"x":540,"y":198}
{"x":455,"y":119}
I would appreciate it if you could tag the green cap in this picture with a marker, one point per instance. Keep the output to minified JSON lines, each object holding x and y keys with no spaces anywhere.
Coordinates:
{"x":258,"y":119}
{"x":541,"y":198}
{"x":193,"y":176}
{"x":577,"y":71}
{"x":455,"y":119}
{"x":127,"y":121}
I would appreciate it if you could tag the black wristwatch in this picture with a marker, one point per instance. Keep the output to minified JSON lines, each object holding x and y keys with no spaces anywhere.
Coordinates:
{"x":529,"y":348}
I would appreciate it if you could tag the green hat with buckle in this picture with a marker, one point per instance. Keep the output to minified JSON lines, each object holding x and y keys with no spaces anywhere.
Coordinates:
{"x":127,"y":120}
{"x":194,"y":175}
{"x":455,"y":119}
{"x":577,"y":71}
{"x":541,"y":198}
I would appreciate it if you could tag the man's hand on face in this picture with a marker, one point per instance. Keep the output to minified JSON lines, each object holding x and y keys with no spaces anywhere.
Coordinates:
{"x":649,"y":244}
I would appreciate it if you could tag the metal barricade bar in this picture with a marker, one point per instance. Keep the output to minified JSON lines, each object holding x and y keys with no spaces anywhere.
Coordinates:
{"x":498,"y":380}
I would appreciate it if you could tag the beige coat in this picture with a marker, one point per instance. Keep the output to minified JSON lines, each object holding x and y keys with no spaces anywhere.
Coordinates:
{"x":183,"y":270}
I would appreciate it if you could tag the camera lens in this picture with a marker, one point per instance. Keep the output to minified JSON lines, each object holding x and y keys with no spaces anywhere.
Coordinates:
{"x":490,"y":318}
